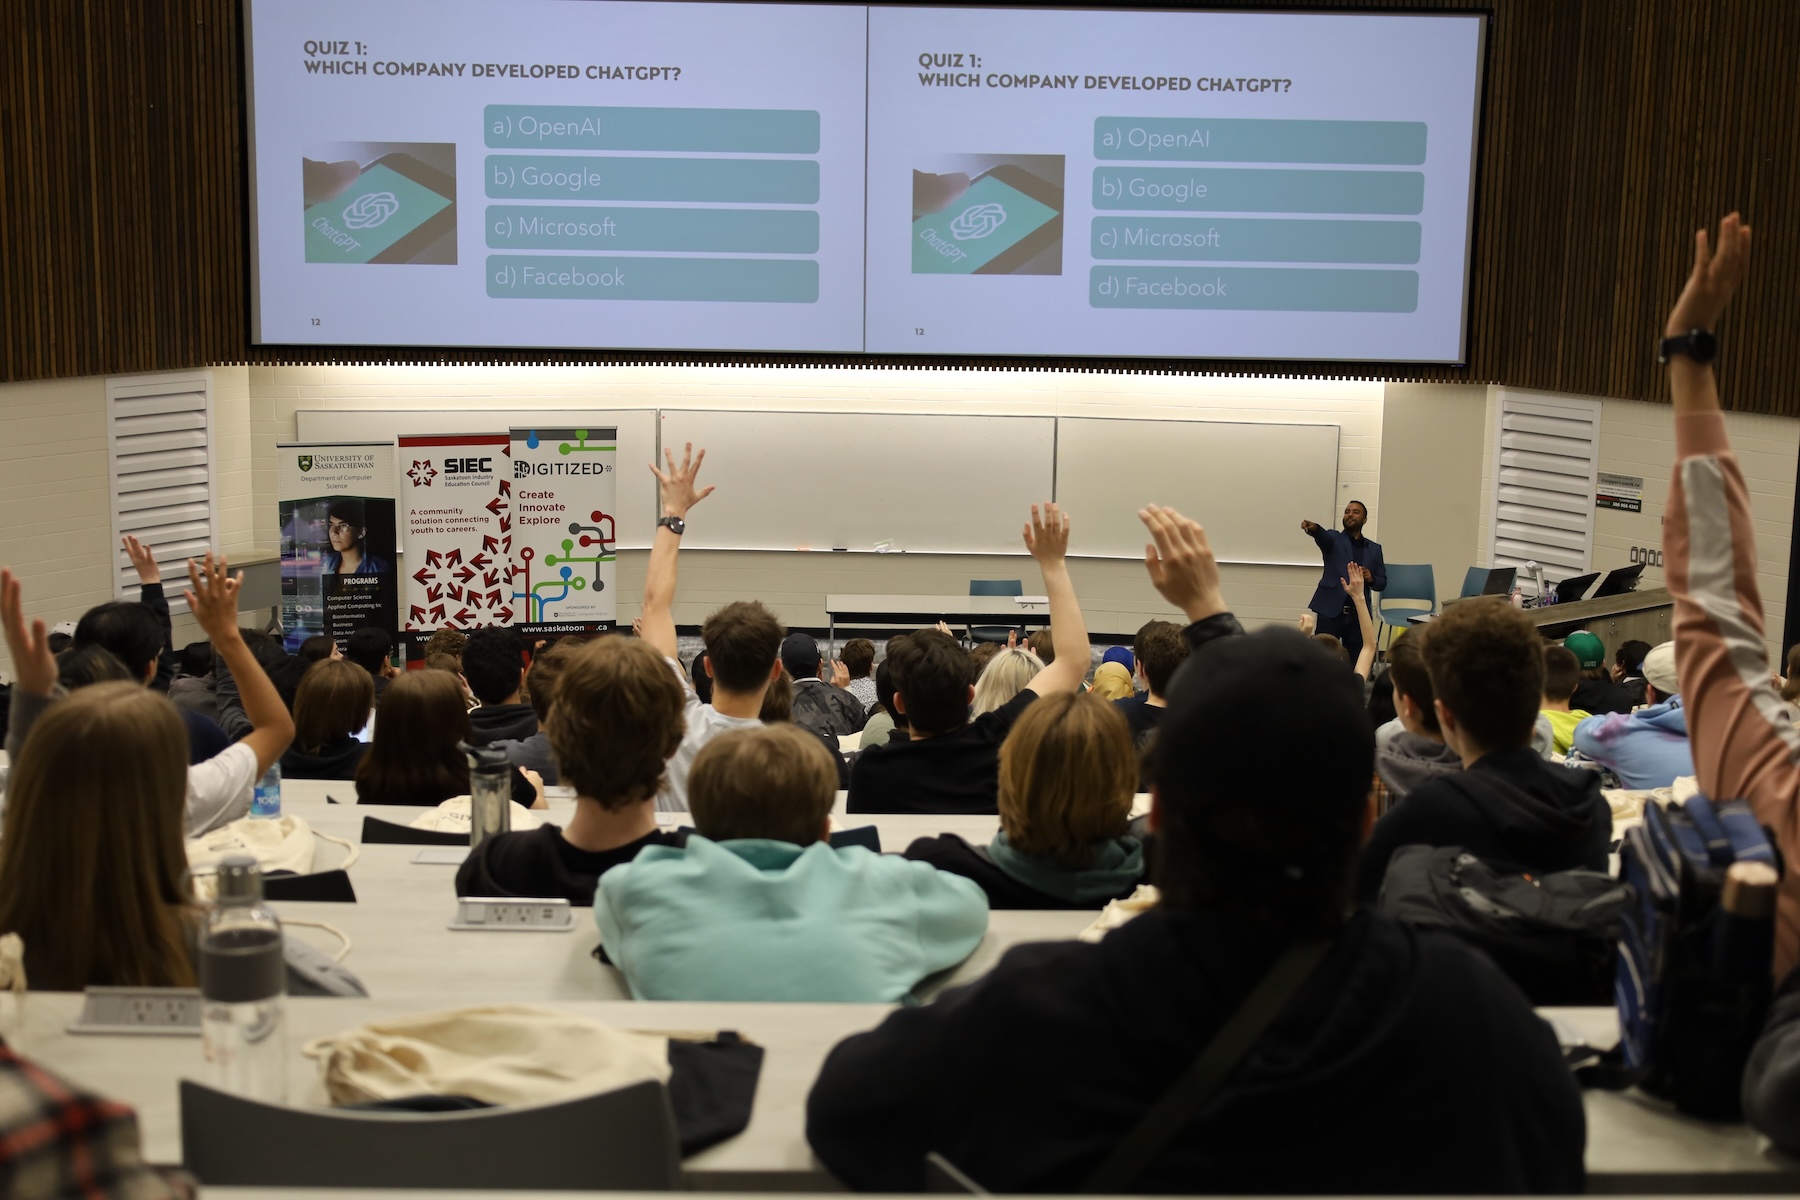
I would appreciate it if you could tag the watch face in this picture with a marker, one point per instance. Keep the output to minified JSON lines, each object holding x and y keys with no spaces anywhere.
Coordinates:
{"x":1702,"y":345}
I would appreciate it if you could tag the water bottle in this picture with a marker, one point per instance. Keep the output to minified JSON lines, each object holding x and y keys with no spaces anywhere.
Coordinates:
{"x":265,"y":801}
{"x":490,"y":792}
{"x":243,"y":986}
{"x":1743,"y":935}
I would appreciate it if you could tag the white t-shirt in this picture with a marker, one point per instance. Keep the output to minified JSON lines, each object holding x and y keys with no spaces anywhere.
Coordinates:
{"x":219,"y":789}
{"x":704,"y":723}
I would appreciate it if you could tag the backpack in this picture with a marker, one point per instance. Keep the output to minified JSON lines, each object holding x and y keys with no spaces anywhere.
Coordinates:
{"x":1555,"y":934}
{"x":1686,"y":1026}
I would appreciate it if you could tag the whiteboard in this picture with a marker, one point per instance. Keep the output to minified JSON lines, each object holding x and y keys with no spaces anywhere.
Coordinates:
{"x":1250,"y":484}
{"x":637,"y":497}
{"x":824,"y":481}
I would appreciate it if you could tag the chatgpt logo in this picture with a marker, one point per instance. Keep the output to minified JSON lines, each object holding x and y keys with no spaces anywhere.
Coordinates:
{"x":977,"y":221}
{"x":370,"y":209}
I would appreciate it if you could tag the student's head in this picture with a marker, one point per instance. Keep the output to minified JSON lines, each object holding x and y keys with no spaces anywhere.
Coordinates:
{"x":1589,"y":652}
{"x":1043,"y":645}
{"x":286,"y":674}
{"x":1279,"y":847}
{"x":369,"y":648}
{"x":440,"y":662}
{"x":197,"y":659}
{"x":743,"y":646}
{"x":1661,"y":680}
{"x":413,"y":757}
{"x":1332,"y":646}
{"x":1412,"y":683}
{"x":1067,"y":774}
{"x":777,"y":782}
{"x":884,"y":695}
{"x":446,"y":641}
{"x":981,"y":656}
{"x":800,"y":655}
{"x":493,"y":662}
{"x":265,"y":648}
{"x":1487,"y":674}
{"x":702,"y":681}
{"x":93,"y":871}
{"x":332,"y":703}
{"x":932,"y":682}
{"x":1004,"y":677}
{"x":615,"y":719}
{"x":778,"y":699}
{"x":1562,"y":674}
{"x":346,"y":524}
{"x":546,"y":669}
{"x":1628,"y":660}
{"x":1356,"y":515}
{"x":129,"y":631}
{"x":88,"y":665}
{"x":1113,"y":682}
{"x":859,"y":657}
{"x":316,"y":648}
{"x":1159,"y":649}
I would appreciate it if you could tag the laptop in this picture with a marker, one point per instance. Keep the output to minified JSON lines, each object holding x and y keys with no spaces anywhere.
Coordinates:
{"x":1499,"y":581}
{"x":1619,"y":581}
{"x":1574,"y":587}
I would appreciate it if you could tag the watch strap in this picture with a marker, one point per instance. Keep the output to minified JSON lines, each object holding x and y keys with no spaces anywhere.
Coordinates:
{"x":674,"y":525}
{"x":1698,"y":344}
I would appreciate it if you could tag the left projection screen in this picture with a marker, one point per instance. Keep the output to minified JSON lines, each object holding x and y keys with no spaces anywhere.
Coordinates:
{"x":726,"y":140}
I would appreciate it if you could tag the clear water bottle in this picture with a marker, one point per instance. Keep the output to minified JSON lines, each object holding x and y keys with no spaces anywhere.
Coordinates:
{"x":490,"y":792}
{"x":243,"y":987}
{"x":265,"y":801}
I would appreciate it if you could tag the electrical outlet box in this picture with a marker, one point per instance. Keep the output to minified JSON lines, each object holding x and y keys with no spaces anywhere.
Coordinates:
{"x":525,"y":916}
{"x":172,"y":1012}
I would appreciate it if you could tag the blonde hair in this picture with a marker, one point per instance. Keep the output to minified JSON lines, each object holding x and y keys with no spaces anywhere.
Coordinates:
{"x":1113,"y":682}
{"x":93,"y":871}
{"x":1004,"y":677}
{"x":776,"y":782}
{"x":1067,"y":774}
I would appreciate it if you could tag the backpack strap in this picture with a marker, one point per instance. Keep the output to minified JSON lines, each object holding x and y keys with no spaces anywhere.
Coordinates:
{"x":1208,"y":1072}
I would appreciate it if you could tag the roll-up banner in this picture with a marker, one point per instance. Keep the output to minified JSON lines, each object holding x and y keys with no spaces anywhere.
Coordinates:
{"x":455,"y":490}
{"x":337,"y":539}
{"x":564,"y":483}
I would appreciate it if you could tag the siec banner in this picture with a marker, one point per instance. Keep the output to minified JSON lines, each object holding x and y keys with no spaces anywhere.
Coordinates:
{"x":563,"y":505}
{"x":337,"y":539}
{"x":456,"y":492}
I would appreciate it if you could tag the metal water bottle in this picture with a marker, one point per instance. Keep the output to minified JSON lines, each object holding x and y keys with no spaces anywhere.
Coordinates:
{"x":490,"y":792}
{"x":243,"y":987}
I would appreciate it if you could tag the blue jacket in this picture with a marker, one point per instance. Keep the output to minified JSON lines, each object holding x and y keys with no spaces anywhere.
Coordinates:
{"x":1339,"y":550}
{"x":1645,"y":749}
{"x":754,"y":919}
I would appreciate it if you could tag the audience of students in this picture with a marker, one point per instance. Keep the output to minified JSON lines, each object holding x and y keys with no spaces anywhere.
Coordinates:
{"x":1028,"y":1079}
{"x":825,"y":708}
{"x":1646,"y":748}
{"x":414,"y":757}
{"x":1562,"y":672}
{"x":858,"y":657}
{"x":1007,"y":673}
{"x":1067,"y":773}
{"x":759,"y":906}
{"x":884,"y":724}
{"x":1600,"y":690}
{"x":331,"y":707}
{"x":370,"y":648}
{"x":493,"y":665}
{"x":613,"y":720}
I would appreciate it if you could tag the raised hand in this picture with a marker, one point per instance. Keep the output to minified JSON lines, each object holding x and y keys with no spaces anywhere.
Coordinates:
{"x":840,"y":674}
{"x":1181,"y":563}
{"x":142,"y":560}
{"x":1047,"y":536}
{"x":213,"y":597}
{"x":678,"y":491}
{"x":1354,"y":585}
{"x":34,"y":667}
{"x":1717,"y":272}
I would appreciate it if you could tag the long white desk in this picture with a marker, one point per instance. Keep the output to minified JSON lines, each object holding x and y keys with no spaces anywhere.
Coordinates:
{"x":897,"y":609}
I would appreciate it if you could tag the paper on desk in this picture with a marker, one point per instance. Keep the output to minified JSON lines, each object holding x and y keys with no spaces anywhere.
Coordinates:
{"x":1024,"y":600}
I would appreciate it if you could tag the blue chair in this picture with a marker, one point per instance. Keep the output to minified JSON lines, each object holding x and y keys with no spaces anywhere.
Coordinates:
{"x":1411,"y":590}
{"x":995,"y":587}
{"x":1474,"y":579}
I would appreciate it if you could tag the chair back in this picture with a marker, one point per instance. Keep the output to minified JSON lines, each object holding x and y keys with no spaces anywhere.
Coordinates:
{"x":623,"y":1140}
{"x":996,"y":587}
{"x":1411,"y":589}
{"x":1474,"y":579}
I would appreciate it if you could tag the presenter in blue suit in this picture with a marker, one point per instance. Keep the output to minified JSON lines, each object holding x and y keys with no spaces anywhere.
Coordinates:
{"x":1340,"y":548}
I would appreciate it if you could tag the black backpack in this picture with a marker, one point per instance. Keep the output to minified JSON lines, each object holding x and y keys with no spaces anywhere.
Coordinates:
{"x":1555,"y":935}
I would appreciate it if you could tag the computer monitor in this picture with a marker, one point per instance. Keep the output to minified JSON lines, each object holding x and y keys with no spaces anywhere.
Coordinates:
{"x":1619,"y":581}
{"x":1499,"y":581}
{"x":1574,"y":587}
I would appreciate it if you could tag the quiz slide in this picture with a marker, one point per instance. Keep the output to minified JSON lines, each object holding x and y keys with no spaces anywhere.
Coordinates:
{"x":492,"y":173}
{"x":1170,"y":184}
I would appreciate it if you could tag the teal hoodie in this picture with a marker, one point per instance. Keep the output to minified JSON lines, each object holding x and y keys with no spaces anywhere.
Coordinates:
{"x":754,"y":919}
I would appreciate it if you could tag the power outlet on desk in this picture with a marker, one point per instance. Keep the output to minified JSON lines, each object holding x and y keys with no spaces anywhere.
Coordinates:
{"x":525,"y":916}
{"x":173,"y":1012}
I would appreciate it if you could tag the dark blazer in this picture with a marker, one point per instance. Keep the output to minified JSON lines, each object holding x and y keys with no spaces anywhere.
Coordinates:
{"x":1339,"y":550}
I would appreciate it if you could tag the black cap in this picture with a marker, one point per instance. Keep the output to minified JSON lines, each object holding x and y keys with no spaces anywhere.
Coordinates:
{"x":800,"y":655}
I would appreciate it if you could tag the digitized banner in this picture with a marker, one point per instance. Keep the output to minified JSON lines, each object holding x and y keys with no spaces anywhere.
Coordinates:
{"x":563,"y":569}
{"x":337,"y":539}
{"x":456,"y":495}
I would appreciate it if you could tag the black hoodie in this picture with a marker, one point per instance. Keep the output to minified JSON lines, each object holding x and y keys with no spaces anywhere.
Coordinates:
{"x":1511,"y":808}
{"x":501,"y":722}
{"x":1406,"y":1063}
{"x":540,"y":864}
{"x":336,"y":761}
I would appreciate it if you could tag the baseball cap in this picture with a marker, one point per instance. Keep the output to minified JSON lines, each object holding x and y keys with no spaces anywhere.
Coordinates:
{"x":64,"y":627}
{"x":1589,"y":651}
{"x":1659,"y":669}
{"x":800,"y":655}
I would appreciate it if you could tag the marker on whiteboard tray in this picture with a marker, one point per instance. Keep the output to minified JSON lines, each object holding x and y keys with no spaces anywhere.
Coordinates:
{"x":885,"y":546}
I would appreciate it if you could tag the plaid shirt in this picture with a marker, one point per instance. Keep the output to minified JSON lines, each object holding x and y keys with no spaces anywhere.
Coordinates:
{"x":58,"y":1141}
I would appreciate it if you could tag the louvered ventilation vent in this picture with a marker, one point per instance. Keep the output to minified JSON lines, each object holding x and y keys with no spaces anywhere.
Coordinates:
{"x":1548,"y":450}
{"x":160,"y":458}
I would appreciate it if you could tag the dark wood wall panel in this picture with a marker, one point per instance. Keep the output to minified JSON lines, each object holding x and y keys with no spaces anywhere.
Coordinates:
{"x":1612,"y":129}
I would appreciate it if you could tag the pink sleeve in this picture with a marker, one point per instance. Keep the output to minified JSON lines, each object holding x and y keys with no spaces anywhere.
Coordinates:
{"x":1743,"y":742}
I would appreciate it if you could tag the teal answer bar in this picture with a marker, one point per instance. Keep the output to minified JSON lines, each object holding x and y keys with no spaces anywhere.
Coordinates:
{"x":1248,"y":239}
{"x":706,"y":180}
{"x":1268,"y":289}
{"x":597,"y":277}
{"x":1185,"y":139}
{"x":704,"y":230}
{"x":577,"y":127}
{"x":1258,"y":189}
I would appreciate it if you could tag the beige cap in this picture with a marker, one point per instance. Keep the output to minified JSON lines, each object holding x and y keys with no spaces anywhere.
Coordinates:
{"x":1659,"y":669}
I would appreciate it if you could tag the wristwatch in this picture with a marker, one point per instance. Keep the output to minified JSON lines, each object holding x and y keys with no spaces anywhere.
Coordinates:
{"x":674,"y":525}
{"x":1697,"y":344}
